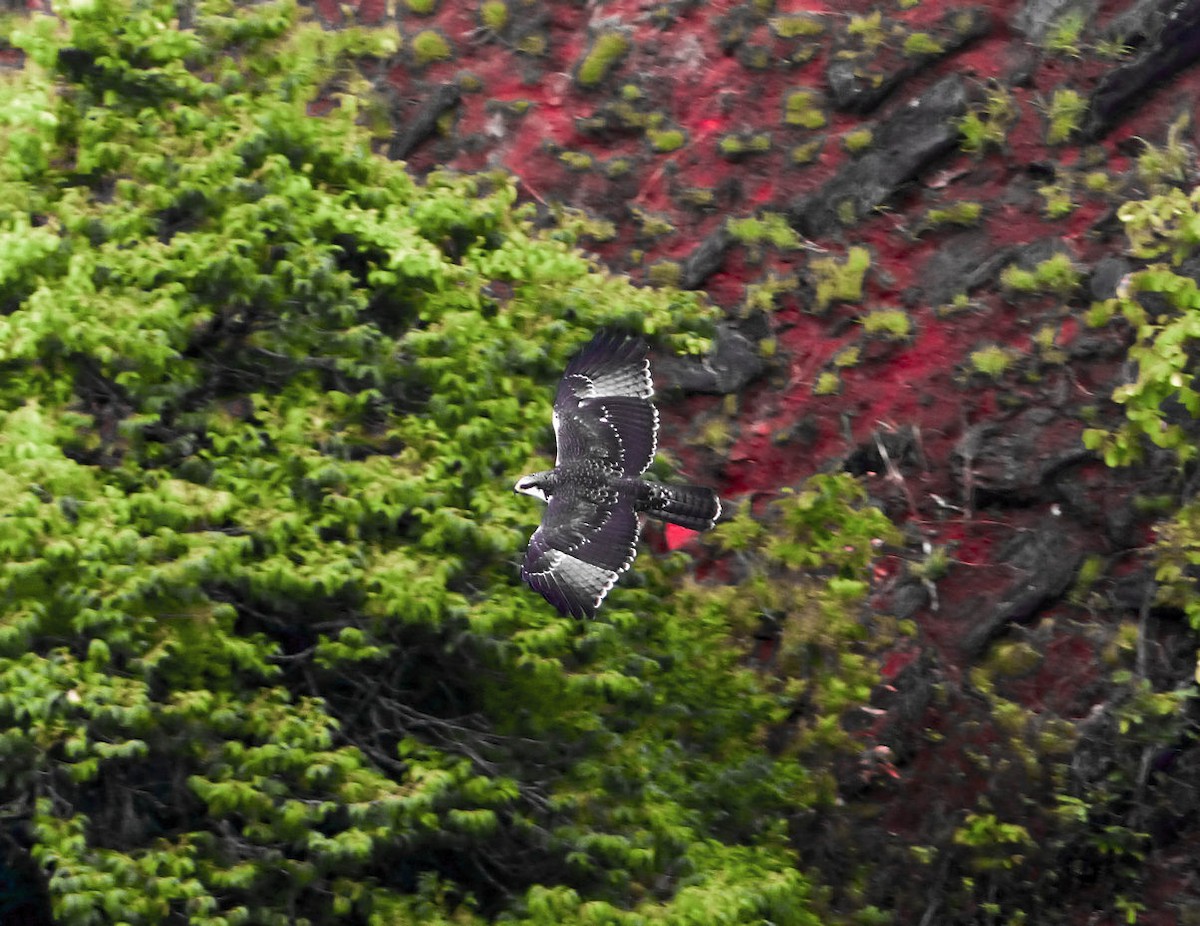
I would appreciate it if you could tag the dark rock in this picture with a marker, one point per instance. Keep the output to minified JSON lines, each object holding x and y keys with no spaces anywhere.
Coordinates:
{"x":1134,"y":591}
{"x":734,"y":362}
{"x":1091,"y":499}
{"x":908,"y":599}
{"x":1028,"y":256}
{"x":1189,"y":268}
{"x":1108,"y":272}
{"x":900,"y":445}
{"x":1037,"y":17}
{"x":1015,"y":462}
{"x":803,"y":431}
{"x":1139,"y":24}
{"x":417,"y":126}
{"x":1173,"y":37}
{"x":1096,"y":346}
{"x":853,"y":90}
{"x":906,"y":699}
{"x":858,"y":84}
{"x":964,"y":263}
{"x":706,"y":259}
{"x":1043,"y":562}
{"x":1094,"y":757}
{"x":905,"y":146}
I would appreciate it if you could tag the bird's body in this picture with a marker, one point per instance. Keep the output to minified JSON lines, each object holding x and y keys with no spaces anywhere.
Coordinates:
{"x":606,"y":429}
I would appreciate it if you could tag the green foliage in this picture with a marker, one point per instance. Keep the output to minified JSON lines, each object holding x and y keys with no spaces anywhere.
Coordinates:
{"x":828,"y":383}
{"x":1063,"y":114}
{"x":1162,"y":403}
{"x":996,"y":844}
{"x":796,"y":26}
{"x":838,"y":280}
{"x":766,"y":228}
{"x":919,"y":44}
{"x":1162,"y":167}
{"x":858,"y":140}
{"x":1164,"y":226}
{"x":802,"y":108}
{"x":964,"y":212}
{"x":1063,"y":36}
{"x":740,"y":145}
{"x":805,"y":153}
{"x":604,"y":55}
{"x":890,"y":323}
{"x":264,"y":654}
{"x":429,"y":46}
{"x":1058,"y":200}
{"x":493,"y":14}
{"x":1168,"y":224}
{"x":764,"y":295}
{"x":1057,"y":274}
{"x":868,"y":29}
{"x":987,"y":125}
{"x":665,"y":141}
{"x":825,"y":526}
{"x":991,"y":360}
{"x":577,"y":160}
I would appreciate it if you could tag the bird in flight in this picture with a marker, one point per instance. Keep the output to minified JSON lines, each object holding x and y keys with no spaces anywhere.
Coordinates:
{"x":606,"y":430}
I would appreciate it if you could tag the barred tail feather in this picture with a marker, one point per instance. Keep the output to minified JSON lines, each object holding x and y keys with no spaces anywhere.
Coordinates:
{"x":693,"y":507}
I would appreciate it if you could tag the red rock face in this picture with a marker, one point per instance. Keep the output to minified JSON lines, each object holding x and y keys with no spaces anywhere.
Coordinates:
{"x":958,"y":395}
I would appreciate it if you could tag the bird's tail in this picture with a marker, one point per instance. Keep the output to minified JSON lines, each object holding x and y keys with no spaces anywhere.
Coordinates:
{"x":694,"y":507}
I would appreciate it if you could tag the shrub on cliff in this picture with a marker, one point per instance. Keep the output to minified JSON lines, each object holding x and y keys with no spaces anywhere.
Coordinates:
{"x":264,"y":657}
{"x":1162,"y":305}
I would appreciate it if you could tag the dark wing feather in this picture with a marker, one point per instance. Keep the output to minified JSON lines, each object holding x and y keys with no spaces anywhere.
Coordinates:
{"x":603,"y":412}
{"x":617,"y":431}
{"x":612,"y":363}
{"x":581,"y":549}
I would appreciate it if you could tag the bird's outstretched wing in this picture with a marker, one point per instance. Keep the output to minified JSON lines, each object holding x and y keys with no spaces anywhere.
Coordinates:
{"x":581,"y":548}
{"x":603,"y":412}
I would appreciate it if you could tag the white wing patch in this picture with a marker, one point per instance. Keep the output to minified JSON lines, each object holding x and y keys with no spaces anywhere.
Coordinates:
{"x":633,"y":380}
{"x":572,"y":583}
{"x":637,"y":461}
{"x":575,"y":578}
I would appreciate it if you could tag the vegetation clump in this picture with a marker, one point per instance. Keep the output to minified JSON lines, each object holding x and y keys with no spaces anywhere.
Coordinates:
{"x":429,"y":46}
{"x":606,"y":53}
{"x":1057,"y":274}
{"x":828,"y":384}
{"x":493,"y":14}
{"x":741,"y":145}
{"x":965,"y":212}
{"x":858,"y":140}
{"x":765,"y":228}
{"x":987,"y":126}
{"x":264,"y":653}
{"x":991,"y":360}
{"x":891,"y":323}
{"x":802,"y":108}
{"x":665,"y":141}
{"x":805,"y":153}
{"x":795,"y":26}
{"x":839,"y":280}
{"x":922,"y":44}
{"x":1064,"y":114}
{"x":1163,"y":402}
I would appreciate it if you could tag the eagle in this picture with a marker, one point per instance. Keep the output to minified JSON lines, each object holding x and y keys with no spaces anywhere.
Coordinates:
{"x":606,"y":431}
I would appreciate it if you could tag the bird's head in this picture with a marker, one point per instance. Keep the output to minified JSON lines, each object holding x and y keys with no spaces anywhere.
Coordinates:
{"x":532,"y":484}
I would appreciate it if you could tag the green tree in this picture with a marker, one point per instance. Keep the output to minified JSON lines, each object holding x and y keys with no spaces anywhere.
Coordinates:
{"x":1162,"y":403}
{"x":264,"y":657}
